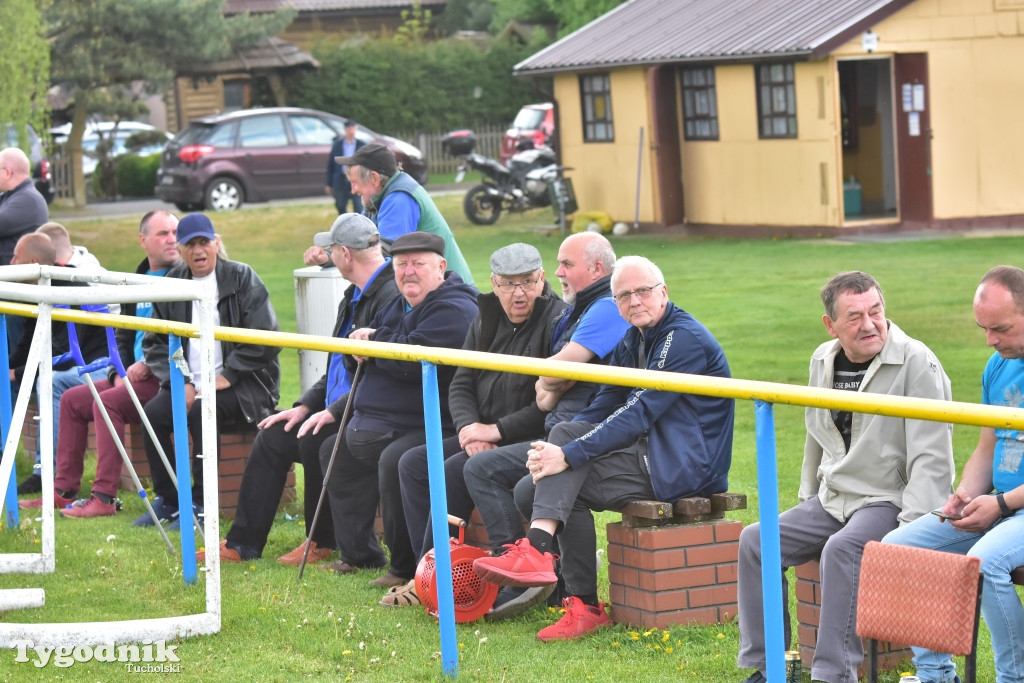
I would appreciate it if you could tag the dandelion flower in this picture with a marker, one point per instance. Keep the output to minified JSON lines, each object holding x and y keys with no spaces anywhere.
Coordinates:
{"x":110,"y":538}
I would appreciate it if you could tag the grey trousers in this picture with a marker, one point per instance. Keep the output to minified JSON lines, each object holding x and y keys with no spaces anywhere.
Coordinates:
{"x":606,"y":482}
{"x":805,"y":532}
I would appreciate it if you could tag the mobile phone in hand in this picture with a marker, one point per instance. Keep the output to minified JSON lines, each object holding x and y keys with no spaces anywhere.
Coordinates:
{"x":941,"y":515}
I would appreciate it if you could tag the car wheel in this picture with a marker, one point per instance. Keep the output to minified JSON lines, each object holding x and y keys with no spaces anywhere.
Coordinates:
{"x":223,"y":194}
{"x":482,"y":205}
{"x":188,"y":206}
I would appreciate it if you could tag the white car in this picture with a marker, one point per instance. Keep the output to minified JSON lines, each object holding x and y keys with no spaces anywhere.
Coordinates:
{"x":122,"y":130}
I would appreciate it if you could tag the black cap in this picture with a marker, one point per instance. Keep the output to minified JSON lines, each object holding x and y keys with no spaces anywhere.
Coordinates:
{"x":350,"y":122}
{"x":418,"y":241}
{"x":373,"y":157}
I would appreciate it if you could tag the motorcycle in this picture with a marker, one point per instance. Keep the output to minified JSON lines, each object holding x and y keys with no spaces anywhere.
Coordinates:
{"x":526,"y":183}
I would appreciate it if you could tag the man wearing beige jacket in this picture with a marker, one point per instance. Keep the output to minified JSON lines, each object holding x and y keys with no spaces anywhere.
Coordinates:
{"x":863,"y":475}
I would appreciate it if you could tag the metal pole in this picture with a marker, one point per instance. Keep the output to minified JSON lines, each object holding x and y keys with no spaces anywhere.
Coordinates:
{"x":639,"y":170}
{"x":11,"y":502}
{"x":439,"y":522}
{"x":771,"y":559}
{"x":183,"y":460}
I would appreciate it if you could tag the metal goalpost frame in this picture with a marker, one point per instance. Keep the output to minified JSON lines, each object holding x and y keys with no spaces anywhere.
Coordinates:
{"x":112,"y":288}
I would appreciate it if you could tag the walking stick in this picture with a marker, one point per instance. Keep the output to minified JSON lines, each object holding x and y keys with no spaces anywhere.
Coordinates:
{"x":330,"y":465}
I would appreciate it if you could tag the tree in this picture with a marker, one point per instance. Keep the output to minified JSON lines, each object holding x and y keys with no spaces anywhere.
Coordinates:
{"x":101,"y":47}
{"x":24,"y":68}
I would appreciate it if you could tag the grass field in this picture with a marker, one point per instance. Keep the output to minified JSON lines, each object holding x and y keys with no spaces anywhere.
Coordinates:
{"x":759,"y":297}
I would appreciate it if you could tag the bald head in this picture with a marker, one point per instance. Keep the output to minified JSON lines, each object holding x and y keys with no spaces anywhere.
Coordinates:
{"x":61,"y":240}
{"x":14,"y":168}
{"x":35,"y":247}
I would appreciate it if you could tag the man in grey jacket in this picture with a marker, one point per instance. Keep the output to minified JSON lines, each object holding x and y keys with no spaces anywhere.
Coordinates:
{"x":862,"y":476}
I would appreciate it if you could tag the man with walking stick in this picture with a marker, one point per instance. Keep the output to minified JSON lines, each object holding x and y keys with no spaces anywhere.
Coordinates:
{"x":296,"y":434}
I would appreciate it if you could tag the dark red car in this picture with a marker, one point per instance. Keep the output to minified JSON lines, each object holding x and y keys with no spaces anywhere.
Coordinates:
{"x":253,"y":155}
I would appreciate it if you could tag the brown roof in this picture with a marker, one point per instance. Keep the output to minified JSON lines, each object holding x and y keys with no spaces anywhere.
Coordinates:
{"x":270,"y":54}
{"x":238,"y":6}
{"x":647,"y":32}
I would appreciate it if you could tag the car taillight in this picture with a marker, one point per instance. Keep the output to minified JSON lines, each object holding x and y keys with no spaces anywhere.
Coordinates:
{"x":44,"y":169}
{"x":193,"y":153}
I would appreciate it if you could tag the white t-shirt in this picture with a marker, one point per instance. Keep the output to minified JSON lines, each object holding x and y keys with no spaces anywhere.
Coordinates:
{"x":195,"y":364}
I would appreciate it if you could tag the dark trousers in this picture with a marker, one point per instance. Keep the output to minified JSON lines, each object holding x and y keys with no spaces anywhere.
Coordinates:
{"x":415,"y":482}
{"x":366,"y":473}
{"x":342,"y":191}
{"x":490,"y":477}
{"x":263,"y":481}
{"x":161,"y":417}
{"x":606,"y":482}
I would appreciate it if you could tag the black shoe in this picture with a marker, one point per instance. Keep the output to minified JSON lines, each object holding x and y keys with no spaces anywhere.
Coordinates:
{"x":756,"y":677}
{"x":33,"y":483}
{"x":513,"y":600}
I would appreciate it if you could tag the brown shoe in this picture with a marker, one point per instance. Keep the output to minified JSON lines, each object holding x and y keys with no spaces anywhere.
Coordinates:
{"x":316,"y":554}
{"x":340,"y":567}
{"x":226,"y":554}
{"x":389,"y":580}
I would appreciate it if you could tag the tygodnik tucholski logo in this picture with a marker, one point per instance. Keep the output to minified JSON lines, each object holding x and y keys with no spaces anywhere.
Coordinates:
{"x":149,"y":657}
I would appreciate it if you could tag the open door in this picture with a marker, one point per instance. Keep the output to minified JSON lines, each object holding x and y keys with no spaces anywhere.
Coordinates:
{"x":913,"y":137}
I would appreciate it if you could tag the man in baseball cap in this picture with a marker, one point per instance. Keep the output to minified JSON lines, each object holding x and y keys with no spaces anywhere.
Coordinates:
{"x":349,"y":230}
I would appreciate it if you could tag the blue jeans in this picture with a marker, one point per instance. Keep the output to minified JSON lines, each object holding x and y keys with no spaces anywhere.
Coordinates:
{"x":1001,"y":550}
{"x":62,"y":381}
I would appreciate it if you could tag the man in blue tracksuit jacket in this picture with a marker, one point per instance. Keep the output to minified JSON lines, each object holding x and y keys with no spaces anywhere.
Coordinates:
{"x":628,"y":444}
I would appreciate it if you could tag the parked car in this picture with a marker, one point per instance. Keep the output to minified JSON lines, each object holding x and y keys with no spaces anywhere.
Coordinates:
{"x":41,"y":172}
{"x":120,"y":130}
{"x":534,"y":122}
{"x":253,"y":155}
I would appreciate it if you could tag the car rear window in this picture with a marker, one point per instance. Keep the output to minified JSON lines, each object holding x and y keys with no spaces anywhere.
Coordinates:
{"x":263,"y":131}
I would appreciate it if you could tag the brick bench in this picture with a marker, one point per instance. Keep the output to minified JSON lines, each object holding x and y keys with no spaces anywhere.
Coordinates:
{"x":675,"y":563}
{"x":235,"y":444}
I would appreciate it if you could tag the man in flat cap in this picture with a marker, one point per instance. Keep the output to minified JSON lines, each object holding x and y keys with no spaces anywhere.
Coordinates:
{"x":337,"y":181}
{"x":489,"y":408}
{"x":435,"y":308}
{"x":296,"y":434}
{"x":397,"y":203}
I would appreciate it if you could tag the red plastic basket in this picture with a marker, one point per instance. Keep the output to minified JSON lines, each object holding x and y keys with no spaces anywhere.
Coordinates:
{"x":474,"y":597}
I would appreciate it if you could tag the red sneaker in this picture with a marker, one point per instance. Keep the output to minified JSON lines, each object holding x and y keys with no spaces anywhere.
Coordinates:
{"x":59,"y":502}
{"x":579,"y":620}
{"x":520,"y":565}
{"x":93,"y":507}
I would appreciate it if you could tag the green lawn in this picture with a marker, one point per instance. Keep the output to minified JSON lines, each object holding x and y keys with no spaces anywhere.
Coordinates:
{"x":760,"y":298}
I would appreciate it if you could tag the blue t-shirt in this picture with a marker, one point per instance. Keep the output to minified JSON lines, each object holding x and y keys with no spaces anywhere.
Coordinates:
{"x":399,"y":215}
{"x":144,"y":309}
{"x":1002,"y":384}
{"x":600,"y":328}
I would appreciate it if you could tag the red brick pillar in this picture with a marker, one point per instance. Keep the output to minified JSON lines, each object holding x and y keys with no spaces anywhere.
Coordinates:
{"x":808,"y":612}
{"x":673,"y":574}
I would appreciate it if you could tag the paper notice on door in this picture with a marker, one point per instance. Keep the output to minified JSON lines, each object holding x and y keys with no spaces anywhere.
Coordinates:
{"x":918,"y":97}
{"x":906,"y":97}
{"x":914,"y":123}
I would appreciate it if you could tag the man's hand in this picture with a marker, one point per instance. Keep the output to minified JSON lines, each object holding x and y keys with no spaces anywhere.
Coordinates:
{"x":220,"y":383}
{"x":315,"y":256}
{"x":137,"y":372}
{"x":190,"y":395}
{"x":315,"y":422}
{"x":544,"y":459}
{"x":474,"y":447}
{"x":362,"y":334}
{"x":293,"y":416}
{"x":978,"y":515}
{"x":478,"y":432}
{"x":328,"y":190}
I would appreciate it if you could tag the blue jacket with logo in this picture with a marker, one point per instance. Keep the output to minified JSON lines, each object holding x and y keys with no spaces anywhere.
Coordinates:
{"x":689,"y":436}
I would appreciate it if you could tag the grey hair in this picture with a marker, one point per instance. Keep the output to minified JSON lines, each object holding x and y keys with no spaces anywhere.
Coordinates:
{"x":1010,"y":277}
{"x":855,"y":282}
{"x":641,"y":262}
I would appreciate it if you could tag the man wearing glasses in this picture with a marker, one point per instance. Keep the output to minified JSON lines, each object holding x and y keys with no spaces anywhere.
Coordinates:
{"x":628,"y":444}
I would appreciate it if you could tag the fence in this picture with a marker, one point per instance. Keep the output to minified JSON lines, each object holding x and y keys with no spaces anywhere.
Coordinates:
{"x":488,"y":143}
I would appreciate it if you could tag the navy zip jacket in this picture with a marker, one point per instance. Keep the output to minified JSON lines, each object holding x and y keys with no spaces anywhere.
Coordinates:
{"x":390,"y":395}
{"x":689,"y":436}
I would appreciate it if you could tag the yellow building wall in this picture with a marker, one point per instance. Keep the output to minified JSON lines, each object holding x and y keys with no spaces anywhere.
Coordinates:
{"x":604,"y":173}
{"x":742,"y":179}
{"x":975,"y":52}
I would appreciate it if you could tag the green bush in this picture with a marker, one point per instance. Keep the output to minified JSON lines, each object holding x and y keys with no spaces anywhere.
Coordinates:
{"x":136,"y":176}
{"x":427,"y":87}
